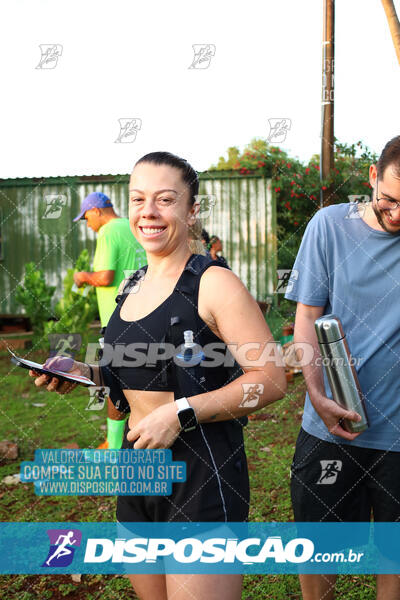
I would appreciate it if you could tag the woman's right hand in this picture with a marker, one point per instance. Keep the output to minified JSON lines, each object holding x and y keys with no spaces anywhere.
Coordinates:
{"x":53,"y":384}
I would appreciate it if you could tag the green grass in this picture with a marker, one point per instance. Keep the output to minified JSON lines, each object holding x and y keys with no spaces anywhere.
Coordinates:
{"x":270,"y":439}
{"x":279,"y":316}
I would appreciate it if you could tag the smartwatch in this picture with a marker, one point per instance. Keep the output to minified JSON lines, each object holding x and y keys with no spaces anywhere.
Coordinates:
{"x":186,"y":415}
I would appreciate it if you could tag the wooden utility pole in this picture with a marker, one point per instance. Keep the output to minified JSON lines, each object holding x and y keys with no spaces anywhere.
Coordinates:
{"x":328,"y":91}
{"x":394,"y":25}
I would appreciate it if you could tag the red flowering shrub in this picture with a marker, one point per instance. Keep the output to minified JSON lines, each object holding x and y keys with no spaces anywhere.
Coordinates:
{"x":297,"y":185}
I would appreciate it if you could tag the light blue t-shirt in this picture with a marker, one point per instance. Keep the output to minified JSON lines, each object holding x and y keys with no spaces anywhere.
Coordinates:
{"x":354,"y":272}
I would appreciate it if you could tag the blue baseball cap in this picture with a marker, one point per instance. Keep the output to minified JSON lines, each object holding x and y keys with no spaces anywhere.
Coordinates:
{"x":95,"y":199}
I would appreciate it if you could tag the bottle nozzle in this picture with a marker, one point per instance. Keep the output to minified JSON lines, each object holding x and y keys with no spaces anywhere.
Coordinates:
{"x":188,"y":337}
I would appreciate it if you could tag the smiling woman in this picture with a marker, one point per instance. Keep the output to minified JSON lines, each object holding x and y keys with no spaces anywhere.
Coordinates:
{"x":161,"y":213}
{"x":197,"y":410}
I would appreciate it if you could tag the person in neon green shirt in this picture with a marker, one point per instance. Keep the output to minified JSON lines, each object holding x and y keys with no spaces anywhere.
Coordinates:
{"x":116,"y":250}
{"x":118,"y":253}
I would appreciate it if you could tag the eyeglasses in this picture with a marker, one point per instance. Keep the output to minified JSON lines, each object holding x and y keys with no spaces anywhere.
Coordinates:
{"x":385,"y":203}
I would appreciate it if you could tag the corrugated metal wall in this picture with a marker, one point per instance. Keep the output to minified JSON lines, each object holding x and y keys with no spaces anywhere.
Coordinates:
{"x":36,"y":225}
{"x":244,"y":217}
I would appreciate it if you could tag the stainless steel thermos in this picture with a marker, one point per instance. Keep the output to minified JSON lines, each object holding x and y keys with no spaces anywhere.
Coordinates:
{"x":342,"y":376}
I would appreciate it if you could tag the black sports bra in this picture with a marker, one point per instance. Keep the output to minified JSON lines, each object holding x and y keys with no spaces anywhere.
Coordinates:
{"x":135,"y":363}
{"x":120,"y":366}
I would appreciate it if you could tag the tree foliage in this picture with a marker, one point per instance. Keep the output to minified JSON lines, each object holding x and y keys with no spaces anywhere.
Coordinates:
{"x":77,"y":308}
{"x":297,"y":185}
{"x":35,"y":296}
{"x":72,"y":314}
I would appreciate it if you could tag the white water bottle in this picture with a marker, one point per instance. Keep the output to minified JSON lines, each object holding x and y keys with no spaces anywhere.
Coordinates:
{"x":189,"y":354}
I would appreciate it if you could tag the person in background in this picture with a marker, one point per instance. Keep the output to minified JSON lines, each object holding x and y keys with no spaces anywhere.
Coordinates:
{"x":348,"y":264}
{"x":214,"y":246}
{"x":117,"y":251}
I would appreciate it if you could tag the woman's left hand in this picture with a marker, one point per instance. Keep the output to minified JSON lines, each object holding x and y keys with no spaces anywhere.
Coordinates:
{"x":159,"y":429}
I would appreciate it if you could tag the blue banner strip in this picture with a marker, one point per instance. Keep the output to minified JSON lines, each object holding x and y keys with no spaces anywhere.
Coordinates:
{"x":249,"y":548}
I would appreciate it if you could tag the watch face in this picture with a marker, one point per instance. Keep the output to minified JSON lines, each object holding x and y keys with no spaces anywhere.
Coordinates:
{"x":187,"y":419}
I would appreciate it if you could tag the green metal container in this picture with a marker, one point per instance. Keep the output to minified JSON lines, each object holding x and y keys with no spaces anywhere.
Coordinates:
{"x":36,"y":224}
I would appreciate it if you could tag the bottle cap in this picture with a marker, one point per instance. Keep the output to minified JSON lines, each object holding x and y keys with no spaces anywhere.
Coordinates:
{"x":329,"y":329}
{"x":188,"y":337}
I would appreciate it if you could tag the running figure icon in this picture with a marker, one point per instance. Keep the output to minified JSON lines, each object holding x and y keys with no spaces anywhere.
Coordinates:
{"x":329,"y":471}
{"x":62,"y":549}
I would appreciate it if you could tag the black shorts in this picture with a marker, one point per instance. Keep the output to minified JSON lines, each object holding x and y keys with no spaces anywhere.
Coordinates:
{"x":217,"y":481}
{"x":340,"y":482}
